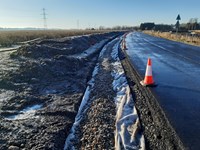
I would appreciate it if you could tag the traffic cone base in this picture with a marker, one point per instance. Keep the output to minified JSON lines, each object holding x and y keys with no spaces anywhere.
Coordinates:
{"x":150,"y":85}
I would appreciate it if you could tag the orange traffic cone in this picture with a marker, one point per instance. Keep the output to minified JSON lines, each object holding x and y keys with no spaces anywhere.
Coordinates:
{"x":148,"y":80}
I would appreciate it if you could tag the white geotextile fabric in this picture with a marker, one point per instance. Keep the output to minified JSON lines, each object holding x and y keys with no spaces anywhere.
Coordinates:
{"x":128,"y":134}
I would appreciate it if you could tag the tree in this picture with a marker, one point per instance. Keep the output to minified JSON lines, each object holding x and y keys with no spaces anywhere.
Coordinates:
{"x":163,"y":27}
{"x":193,"y":24}
{"x":147,"y":26}
{"x":101,"y":28}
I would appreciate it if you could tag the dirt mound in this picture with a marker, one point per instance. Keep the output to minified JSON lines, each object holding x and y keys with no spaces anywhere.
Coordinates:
{"x":41,"y":96}
{"x":65,"y":46}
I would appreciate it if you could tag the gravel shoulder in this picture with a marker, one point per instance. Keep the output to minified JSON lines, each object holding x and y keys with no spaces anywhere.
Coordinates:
{"x":97,"y":124}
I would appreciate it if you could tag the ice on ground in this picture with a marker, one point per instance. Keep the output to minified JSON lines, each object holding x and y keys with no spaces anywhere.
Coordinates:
{"x":128,"y":133}
{"x":28,"y":112}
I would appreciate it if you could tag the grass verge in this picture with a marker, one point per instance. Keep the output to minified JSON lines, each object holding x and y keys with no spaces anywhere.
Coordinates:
{"x":176,"y":37}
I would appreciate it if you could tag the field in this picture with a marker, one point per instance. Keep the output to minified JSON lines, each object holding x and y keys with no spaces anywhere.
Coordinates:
{"x":9,"y":38}
{"x":194,"y":40}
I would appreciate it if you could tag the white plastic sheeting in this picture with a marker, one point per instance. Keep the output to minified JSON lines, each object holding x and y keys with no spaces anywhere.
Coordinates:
{"x":81,"y":112}
{"x":128,"y":134}
{"x":14,"y":47}
{"x":93,"y":49}
{"x":69,"y":144}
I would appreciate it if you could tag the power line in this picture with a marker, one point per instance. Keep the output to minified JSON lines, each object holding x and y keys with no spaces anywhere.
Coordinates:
{"x":44,"y":18}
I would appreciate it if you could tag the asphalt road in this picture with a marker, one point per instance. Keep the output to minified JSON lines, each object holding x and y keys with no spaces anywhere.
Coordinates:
{"x":176,"y":70}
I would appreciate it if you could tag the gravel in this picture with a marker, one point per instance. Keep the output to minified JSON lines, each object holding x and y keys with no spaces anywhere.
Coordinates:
{"x":101,"y":124}
{"x":97,"y":126}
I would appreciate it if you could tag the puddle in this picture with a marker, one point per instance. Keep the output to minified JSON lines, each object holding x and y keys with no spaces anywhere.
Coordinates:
{"x":28,"y":112}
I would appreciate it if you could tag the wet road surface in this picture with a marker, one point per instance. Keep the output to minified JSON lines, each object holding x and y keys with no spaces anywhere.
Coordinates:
{"x":176,"y":70}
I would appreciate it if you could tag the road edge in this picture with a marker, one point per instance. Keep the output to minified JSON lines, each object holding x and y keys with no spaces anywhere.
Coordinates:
{"x":157,"y":129}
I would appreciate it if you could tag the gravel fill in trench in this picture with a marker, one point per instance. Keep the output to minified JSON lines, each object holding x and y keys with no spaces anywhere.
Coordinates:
{"x":98,"y":126}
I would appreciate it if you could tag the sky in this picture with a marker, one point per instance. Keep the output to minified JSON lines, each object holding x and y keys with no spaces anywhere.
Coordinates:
{"x":73,"y":14}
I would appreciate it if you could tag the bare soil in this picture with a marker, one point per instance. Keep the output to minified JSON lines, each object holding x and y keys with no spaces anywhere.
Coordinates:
{"x":42,"y":74}
{"x":98,"y":126}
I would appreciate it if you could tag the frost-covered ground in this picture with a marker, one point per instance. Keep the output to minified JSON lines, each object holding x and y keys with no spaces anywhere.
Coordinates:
{"x":41,"y":87}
